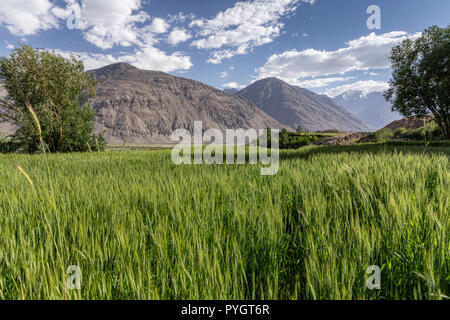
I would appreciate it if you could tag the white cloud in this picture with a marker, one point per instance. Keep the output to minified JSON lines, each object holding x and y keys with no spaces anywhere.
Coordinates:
{"x":150,"y":58}
{"x":318,"y":83}
{"x":178,"y":35}
{"x":233,"y":85}
{"x":218,"y":56}
{"x":368,"y":52}
{"x":91,"y":60}
{"x":223,"y":74}
{"x":27,"y":17}
{"x":105,"y":24}
{"x":239,"y":29}
{"x":114,"y":22}
{"x":147,"y":58}
{"x":118,"y":22}
{"x":158,"y":25}
{"x":179,"y":17}
{"x":365,"y":86}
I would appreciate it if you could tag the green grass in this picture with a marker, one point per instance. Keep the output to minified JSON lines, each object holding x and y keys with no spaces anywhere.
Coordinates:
{"x":142,"y":228}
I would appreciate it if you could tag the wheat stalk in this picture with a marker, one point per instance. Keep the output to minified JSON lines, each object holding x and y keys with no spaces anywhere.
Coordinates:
{"x":36,"y":122}
{"x":22,"y":171}
{"x":35,"y":118}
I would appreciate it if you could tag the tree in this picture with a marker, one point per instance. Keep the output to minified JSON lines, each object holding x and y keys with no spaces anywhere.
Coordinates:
{"x":46,"y":100}
{"x":421,"y":77}
{"x":284,"y":138}
{"x":299,"y":129}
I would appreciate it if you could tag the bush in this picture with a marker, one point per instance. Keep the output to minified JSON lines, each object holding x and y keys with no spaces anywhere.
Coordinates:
{"x":97,"y":143}
{"x":384,"y":135}
{"x":6,"y":144}
{"x":400,"y":132}
{"x":417,"y":134}
{"x":434,"y":132}
{"x":297,"y":141}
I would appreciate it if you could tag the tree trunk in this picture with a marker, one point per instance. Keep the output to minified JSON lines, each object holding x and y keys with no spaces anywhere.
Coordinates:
{"x":444,"y":126}
{"x":447,"y":130}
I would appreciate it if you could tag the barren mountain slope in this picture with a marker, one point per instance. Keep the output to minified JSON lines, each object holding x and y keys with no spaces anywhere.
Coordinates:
{"x":147,"y":106}
{"x":295,"y":106}
{"x":411,"y":123}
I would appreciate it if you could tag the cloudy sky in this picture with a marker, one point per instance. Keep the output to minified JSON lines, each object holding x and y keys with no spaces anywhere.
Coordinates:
{"x":322,"y":45}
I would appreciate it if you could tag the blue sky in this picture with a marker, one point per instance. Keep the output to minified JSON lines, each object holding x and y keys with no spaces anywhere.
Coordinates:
{"x":322,"y":45}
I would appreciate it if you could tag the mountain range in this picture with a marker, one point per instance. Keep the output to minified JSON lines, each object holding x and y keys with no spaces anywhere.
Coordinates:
{"x":147,"y":106}
{"x":371,"y":108}
{"x":143,"y":106}
{"x":295,"y":106}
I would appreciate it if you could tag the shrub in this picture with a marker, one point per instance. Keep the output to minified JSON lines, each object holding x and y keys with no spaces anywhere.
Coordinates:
{"x":5,"y":142}
{"x":384,"y":135}
{"x":417,"y":134}
{"x":400,"y":132}
{"x":97,"y":143}
{"x":436,"y":134}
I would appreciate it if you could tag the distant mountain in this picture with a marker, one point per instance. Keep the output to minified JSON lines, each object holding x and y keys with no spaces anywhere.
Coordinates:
{"x":231,"y":91}
{"x":294,"y":106}
{"x":371,"y":108}
{"x":147,"y":106}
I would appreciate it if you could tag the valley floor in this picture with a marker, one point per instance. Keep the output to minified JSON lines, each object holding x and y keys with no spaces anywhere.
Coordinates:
{"x":140,"y":227}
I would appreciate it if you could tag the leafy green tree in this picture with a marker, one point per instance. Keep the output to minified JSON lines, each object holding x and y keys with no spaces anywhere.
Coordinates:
{"x":46,"y":99}
{"x":421,"y":77}
{"x":299,"y":129}
{"x":284,"y":138}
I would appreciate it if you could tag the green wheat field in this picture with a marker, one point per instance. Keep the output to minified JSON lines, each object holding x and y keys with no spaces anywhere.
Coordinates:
{"x":141,"y":227}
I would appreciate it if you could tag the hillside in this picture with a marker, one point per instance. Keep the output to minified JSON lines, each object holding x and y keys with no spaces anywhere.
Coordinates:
{"x":411,"y":123}
{"x":294,"y":106}
{"x":371,"y":108}
{"x":147,"y":106}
